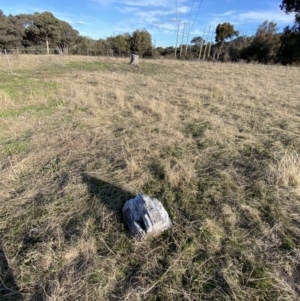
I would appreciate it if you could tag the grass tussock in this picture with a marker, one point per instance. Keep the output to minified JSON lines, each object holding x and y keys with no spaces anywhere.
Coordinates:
{"x":217,"y":144}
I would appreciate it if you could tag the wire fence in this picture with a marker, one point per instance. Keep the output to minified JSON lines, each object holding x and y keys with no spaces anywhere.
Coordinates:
{"x":105,"y":52}
{"x":90,"y":51}
{"x":177,"y":45}
{"x":183,"y":52}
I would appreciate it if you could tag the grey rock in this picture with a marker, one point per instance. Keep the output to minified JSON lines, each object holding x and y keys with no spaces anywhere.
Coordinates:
{"x":134,"y":60}
{"x":144,"y":217}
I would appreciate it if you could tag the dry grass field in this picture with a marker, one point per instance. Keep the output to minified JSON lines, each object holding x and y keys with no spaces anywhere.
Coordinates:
{"x":217,"y":144}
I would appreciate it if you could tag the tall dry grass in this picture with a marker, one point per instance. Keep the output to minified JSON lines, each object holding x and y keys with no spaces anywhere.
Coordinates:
{"x":218,"y":144}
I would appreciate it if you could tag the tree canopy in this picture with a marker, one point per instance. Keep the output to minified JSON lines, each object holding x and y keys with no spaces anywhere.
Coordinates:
{"x":290,"y":40}
{"x":265,"y":44}
{"x":292,"y":6}
{"x":11,"y":33}
{"x":198,"y":41}
{"x":46,"y":28}
{"x":140,"y":42}
{"x":225,"y":31}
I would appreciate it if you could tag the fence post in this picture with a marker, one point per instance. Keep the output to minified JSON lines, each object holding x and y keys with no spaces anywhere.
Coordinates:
{"x":8,"y":62}
{"x":206,"y":44}
{"x":202,"y":42}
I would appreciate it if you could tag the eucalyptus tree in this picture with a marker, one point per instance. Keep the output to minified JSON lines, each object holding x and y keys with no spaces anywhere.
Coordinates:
{"x":11,"y":32}
{"x":266,"y":42}
{"x":101,"y":47}
{"x":141,"y":42}
{"x":292,"y":6}
{"x":289,"y":51}
{"x":120,"y":43}
{"x":198,"y":41}
{"x":44,"y":28}
{"x":66,"y":37}
{"x":290,"y":39}
{"x":224,"y":32}
{"x":85,"y":45}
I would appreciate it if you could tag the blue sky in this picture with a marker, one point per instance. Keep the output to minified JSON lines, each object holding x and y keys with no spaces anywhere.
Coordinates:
{"x":104,"y":18}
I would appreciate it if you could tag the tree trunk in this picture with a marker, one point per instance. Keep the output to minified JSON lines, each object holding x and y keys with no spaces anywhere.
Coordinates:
{"x":47,"y":46}
{"x":59,"y":50}
{"x":220,"y":50}
{"x":208,"y":53}
{"x":200,"y":52}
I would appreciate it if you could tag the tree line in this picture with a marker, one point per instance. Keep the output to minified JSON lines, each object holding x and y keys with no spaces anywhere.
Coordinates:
{"x":266,"y":46}
{"x":42,"y":32}
{"x":33,"y":32}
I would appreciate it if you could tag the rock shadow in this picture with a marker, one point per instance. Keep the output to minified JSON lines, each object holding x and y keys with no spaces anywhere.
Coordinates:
{"x":112,"y":196}
{"x":9,"y":289}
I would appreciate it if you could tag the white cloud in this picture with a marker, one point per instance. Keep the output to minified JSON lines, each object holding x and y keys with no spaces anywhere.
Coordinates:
{"x":127,"y":9}
{"x":142,"y":3}
{"x":82,"y":23}
{"x":167,"y":26}
{"x":182,"y":10}
{"x":153,"y":14}
{"x":228,"y":13}
{"x":251,"y":18}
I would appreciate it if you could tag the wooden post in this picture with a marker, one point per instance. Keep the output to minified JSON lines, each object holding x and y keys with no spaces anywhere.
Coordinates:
{"x":187,"y":39}
{"x":202,"y":43}
{"x":206,"y":44}
{"x":209,"y":47}
{"x":184,"y":24}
